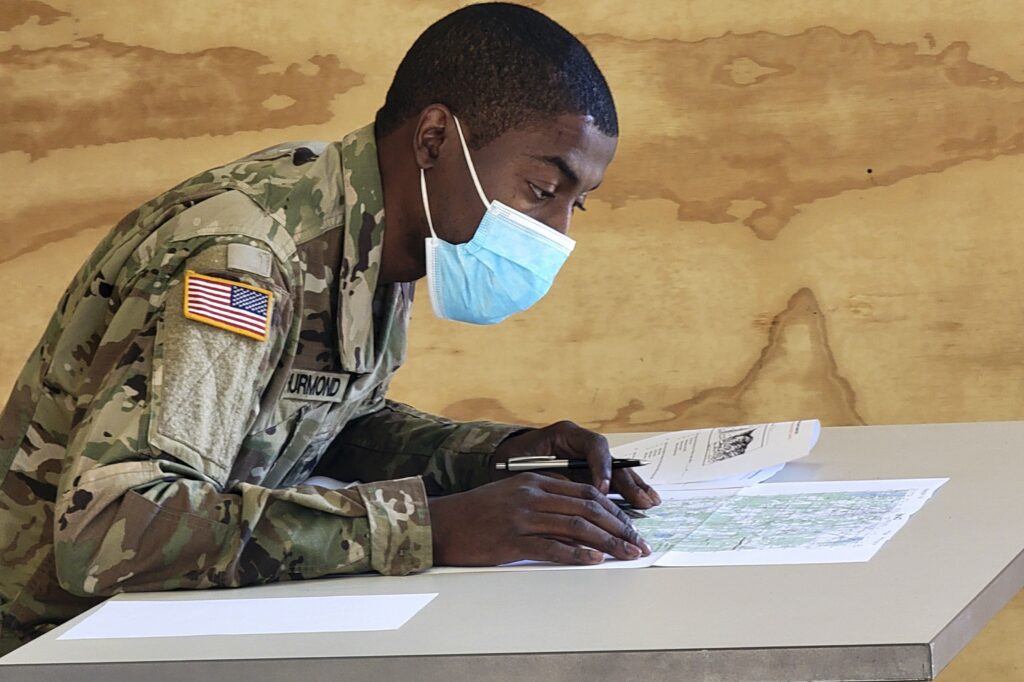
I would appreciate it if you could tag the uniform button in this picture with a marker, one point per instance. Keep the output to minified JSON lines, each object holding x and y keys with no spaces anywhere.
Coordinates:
{"x":303,"y":155}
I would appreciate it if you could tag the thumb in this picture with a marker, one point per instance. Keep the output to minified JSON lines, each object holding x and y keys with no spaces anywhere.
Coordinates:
{"x":594,"y":448}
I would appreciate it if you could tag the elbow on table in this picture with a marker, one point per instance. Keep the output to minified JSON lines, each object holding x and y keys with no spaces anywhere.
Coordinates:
{"x":81,"y":576}
{"x":85,"y":567}
{"x":91,"y":555}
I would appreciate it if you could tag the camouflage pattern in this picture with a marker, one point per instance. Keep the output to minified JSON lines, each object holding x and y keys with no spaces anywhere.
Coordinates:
{"x":143,"y":451}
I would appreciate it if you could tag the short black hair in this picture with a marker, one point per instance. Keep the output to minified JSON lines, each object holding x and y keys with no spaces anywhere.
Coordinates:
{"x":498,"y":66}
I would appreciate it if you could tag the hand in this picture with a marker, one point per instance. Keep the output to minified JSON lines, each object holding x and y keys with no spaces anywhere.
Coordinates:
{"x":530,"y":516}
{"x":567,"y":440}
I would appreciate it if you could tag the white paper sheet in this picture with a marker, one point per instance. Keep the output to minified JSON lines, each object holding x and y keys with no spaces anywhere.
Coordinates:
{"x":706,"y":454}
{"x":739,"y":481}
{"x":280,"y":615}
{"x":527,"y":565}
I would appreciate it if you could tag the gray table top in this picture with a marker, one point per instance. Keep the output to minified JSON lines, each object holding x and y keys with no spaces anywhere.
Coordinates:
{"x":901,"y":616}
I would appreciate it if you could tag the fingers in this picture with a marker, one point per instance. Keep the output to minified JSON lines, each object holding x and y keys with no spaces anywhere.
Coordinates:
{"x":582,"y":530}
{"x":634,"y":489}
{"x":583,"y":515}
{"x":549,"y":549}
{"x":581,"y":491}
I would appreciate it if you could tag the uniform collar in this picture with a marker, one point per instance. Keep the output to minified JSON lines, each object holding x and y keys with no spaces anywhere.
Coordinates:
{"x":361,"y":249}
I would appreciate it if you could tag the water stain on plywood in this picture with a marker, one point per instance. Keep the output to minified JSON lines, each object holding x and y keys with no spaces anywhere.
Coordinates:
{"x":796,"y":363}
{"x":17,"y":12}
{"x":95,"y":91}
{"x":36,"y":226}
{"x":785,"y":120}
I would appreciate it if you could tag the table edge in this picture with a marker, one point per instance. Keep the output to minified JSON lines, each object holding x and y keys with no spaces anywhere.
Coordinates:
{"x":878,"y":663}
{"x":980,"y":611}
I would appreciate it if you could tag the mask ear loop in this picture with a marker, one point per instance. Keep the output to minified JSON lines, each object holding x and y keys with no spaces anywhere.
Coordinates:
{"x":426,"y":202}
{"x":469,"y":162}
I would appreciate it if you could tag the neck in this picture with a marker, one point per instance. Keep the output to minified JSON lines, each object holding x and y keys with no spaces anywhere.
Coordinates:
{"x":402,"y":255}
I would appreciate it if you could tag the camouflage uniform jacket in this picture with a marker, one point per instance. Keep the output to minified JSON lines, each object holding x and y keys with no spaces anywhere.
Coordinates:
{"x":143,"y":450}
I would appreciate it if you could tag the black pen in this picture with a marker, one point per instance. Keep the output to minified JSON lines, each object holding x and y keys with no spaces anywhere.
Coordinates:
{"x":545,"y":462}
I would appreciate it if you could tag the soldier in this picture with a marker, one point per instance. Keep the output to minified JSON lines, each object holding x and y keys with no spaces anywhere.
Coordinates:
{"x":237,"y":334}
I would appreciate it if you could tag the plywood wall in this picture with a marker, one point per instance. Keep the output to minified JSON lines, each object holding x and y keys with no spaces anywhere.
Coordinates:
{"x":815,"y":210}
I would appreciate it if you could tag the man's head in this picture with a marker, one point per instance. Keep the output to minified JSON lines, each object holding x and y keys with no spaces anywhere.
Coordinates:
{"x":498,"y":66}
{"x":536,"y":110}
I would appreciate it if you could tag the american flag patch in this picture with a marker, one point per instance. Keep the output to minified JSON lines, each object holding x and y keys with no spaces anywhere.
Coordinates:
{"x":234,"y":306}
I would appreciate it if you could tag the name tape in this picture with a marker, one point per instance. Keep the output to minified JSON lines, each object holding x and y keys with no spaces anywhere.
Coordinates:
{"x":322,"y":386}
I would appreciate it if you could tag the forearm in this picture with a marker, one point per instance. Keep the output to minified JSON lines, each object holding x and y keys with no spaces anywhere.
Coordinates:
{"x":184,"y":533}
{"x":397,"y":441}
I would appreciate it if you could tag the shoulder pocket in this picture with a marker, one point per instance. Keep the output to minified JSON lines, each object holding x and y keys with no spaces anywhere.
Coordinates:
{"x":206,"y":384}
{"x":232,"y":213}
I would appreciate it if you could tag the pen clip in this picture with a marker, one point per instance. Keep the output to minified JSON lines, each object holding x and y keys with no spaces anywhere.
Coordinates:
{"x":532,"y":458}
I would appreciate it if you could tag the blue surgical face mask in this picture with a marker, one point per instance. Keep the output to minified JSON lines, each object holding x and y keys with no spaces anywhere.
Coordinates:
{"x":506,"y":267}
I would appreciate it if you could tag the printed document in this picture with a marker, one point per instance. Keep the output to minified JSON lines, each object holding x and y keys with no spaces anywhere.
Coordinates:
{"x":686,"y":457}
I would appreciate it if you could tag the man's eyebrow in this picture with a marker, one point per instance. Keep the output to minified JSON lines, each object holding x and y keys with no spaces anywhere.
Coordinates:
{"x":561,"y":164}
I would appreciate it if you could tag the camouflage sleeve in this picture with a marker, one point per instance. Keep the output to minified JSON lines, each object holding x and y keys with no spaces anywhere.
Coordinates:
{"x":397,"y":440}
{"x":143,"y":502}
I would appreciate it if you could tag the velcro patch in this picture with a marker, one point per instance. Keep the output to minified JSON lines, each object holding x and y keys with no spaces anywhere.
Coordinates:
{"x":245,"y":258}
{"x":234,"y":306}
{"x":322,"y":386}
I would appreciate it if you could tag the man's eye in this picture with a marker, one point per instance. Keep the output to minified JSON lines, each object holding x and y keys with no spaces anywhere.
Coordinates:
{"x":541,"y":193}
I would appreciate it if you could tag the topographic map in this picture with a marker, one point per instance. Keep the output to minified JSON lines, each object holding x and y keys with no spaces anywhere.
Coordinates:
{"x":783,"y":523}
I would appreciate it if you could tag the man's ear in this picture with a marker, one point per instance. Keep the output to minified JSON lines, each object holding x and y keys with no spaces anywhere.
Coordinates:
{"x":432,"y":130}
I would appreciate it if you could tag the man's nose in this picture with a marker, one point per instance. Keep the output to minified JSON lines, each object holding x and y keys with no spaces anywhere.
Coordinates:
{"x":561,"y":221}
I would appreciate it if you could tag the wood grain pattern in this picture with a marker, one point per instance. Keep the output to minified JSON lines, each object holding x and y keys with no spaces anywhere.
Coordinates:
{"x":810,"y":116}
{"x":215,"y":91}
{"x":815,"y":209}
